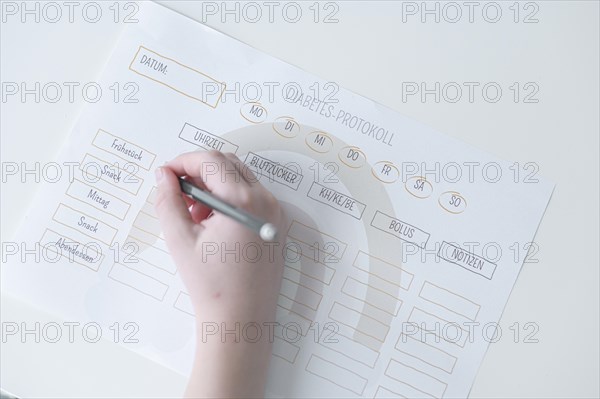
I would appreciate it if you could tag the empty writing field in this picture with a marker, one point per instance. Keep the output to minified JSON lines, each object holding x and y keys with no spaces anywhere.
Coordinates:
{"x":385,"y":393}
{"x":300,"y":293}
{"x":148,"y":209}
{"x":285,"y":350}
{"x":371,"y":311}
{"x":372,"y":296}
{"x":151,"y":199}
{"x":348,"y":347}
{"x":139,"y":264}
{"x":449,"y":300}
{"x":147,"y":223}
{"x":377,"y":282}
{"x":137,"y":249}
{"x":303,"y":279}
{"x":357,"y":336}
{"x":318,"y":240}
{"x":419,"y":380}
{"x":184,"y":303}
{"x":358,"y":321}
{"x":138,"y":281}
{"x":337,"y":375}
{"x":149,"y":239}
{"x":296,"y":307}
{"x":295,"y":258}
{"x":385,"y":270}
{"x":296,"y":248}
{"x":426,"y":353}
{"x":449,"y":331}
{"x":292,"y":319}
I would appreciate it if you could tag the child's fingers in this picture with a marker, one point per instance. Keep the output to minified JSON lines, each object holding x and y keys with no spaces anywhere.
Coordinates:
{"x":188,"y":201}
{"x":212,"y":167}
{"x":200,"y":212}
{"x":175,"y":219}
{"x":245,"y":172}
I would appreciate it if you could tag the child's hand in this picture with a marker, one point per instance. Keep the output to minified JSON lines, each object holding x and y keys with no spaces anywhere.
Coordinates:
{"x":232,"y":276}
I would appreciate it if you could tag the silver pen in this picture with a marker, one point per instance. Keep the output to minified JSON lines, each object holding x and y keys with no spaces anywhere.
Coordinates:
{"x":265,"y":230}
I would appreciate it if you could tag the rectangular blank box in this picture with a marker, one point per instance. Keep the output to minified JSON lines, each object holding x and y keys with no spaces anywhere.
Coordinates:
{"x":372,"y":296}
{"x":430,"y":322}
{"x":384,"y":393}
{"x":147,"y":223}
{"x":138,"y":281}
{"x":360,"y":337}
{"x":377,"y":282}
{"x":152,"y":255}
{"x":415,"y":378}
{"x":426,"y":353}
{"x":303,"y":279}
{"x":356,"y":320}
{"x":307,"y":265}
{"x":158,"y":259}
{"x":285,"y":350}
{"x":296,"y":307}
{"x":289,"y":318}
{"x":310,"y":236}
{"x":149,"y":239}
{"x":449,"y":300}
{"x":140,"y":265}
{"x":152,"y":196}
{"x":184,"y":303}
{"x":349,"y":348}
{"x":148,"y":208}
{"x":401,"y":390}
{"x":317,"y":255}
{"x":300,"y":294}
{"x":337,"y":375}
{"x":385,"y":270}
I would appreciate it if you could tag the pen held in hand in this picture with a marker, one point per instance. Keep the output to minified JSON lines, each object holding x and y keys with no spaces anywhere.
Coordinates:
{"x":265,"y":230}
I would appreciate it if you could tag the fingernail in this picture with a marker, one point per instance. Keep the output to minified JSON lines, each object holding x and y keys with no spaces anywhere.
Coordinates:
{"x":159,"y":174}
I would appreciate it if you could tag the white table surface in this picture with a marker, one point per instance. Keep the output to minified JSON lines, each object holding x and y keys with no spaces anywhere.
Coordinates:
{"x":370,"y":51}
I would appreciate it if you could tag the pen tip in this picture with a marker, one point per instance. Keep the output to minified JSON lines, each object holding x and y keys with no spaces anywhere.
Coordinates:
{"x":268,"y":232}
